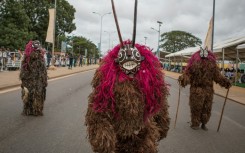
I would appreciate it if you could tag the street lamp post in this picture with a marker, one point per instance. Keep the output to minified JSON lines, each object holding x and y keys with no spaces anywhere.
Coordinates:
{"x":101,"y":18}
{"x":145,"y":40}
{"x":159,"y":33}
{"x":112,"y":44}
{"x":109,"y":33}
{"x":212,"y":43}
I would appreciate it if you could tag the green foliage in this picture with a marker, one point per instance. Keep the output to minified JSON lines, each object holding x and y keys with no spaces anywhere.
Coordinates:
{"x":37,"y":12}
{"x":178,"y":40}
{"x":239,"y":84}
{"x":22,"y":20}
{"x":14,"y":25}
{"x":80,"y":44}
{"x":65,"y":16}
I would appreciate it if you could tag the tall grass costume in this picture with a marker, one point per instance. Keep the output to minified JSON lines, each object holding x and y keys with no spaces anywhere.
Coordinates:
{"x":127,"y":109}
{"x":200,"y":73}
{"x":33,"y":76}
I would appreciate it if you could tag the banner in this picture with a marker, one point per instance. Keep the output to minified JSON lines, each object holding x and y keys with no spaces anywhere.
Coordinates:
{"x":50,"y":32}
{"x":63,"y":46}
{"x":208,"y":39}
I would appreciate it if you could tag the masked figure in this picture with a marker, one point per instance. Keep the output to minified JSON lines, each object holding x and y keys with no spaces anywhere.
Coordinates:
{"x":33,"y":76}
{"x":127,"y":109}
{"x":200,"y":73}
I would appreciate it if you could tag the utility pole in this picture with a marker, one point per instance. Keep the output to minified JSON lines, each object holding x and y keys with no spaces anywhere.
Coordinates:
{"x":212,"y":43}
{"x":101,"y":19}
{"x":159,"y":34}
{"x":109,"y":33}
{"x":145,"y":40}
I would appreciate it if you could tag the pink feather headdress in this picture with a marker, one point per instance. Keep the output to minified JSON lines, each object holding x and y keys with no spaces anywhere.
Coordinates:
{"x":149,"y":78}
{"x":197,"y":58}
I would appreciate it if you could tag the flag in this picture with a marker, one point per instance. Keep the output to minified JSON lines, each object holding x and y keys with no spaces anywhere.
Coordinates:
{"x":208,"y":39}
{"x":50,"y":32}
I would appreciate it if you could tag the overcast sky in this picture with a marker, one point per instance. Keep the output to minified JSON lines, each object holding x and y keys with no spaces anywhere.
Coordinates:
{"x":191,"y":16}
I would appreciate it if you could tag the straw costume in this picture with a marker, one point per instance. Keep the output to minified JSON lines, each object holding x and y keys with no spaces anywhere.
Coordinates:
{"x":33,"y":76}
{"x":200,"y":73}
{"x":127,"y":109}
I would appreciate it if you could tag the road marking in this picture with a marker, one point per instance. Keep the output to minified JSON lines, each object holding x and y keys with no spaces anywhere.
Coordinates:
{"x":49,"y":80}
{"x":230,"y":120}
{"x":68,"y":75}
{"x":9,"y":90}
{"x":53,"y":79}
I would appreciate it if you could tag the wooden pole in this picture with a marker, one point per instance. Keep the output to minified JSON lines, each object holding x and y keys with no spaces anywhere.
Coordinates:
{"x":177,"y":109}
{"x":223,"y":110}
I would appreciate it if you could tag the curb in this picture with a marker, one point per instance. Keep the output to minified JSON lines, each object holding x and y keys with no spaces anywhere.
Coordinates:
{"x":230,"y":99}
{"x":215,"y":93}
{"x":58,"y":76}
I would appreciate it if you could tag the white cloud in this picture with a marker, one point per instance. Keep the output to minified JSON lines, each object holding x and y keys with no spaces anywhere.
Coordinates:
{"x":187,"y":15}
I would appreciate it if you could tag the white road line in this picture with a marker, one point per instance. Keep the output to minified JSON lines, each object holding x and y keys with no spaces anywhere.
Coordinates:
{"x":9,"y":90}
{"x":17,"y":88}
{"x":230,"y":120}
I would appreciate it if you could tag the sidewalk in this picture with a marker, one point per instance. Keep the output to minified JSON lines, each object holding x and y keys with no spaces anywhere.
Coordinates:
{"x":236,"y":94}
{"x":9,"y":79}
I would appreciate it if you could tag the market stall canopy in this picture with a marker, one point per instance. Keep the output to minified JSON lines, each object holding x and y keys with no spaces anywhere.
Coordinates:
{"x":183,"y":55}
{"x":185,"y":52}
{"x":230,"y":49}
{"x":163,"y":53}
{"x":242,"y":46}
{"x":229,"y":46}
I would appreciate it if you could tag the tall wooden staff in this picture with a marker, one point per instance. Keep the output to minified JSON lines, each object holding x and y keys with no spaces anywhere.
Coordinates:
{"x":177,"y":109}
{"x":223,"y":110}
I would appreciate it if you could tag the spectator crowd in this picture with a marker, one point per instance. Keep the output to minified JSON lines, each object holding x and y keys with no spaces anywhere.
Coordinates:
{"x":11,"y":60}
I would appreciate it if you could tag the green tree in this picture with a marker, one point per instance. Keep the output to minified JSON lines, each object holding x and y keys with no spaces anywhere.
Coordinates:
{"x":80,"y":44}
{"x":65,"y":17}
{"x":37,"y":11}
{"x":14,"y":32}
{"x":178,"y":40}
{"x":22,"y":20}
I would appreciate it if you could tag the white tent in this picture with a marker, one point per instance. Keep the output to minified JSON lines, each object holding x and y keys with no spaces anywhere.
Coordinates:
{"x":184,"y":52}
{"x":241,"y":52}
{"x":228,"y":43}
{"x":242,"y":46}
{"x":182,"y":55}
{"x":224,"y":49}
{"x":227,"y":49}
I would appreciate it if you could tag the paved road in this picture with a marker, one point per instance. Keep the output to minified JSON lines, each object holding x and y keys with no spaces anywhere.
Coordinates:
{"x":62,"y":130}
{"x":182,"y":139}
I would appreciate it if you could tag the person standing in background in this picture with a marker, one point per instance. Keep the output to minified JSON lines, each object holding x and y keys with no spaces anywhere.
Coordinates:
{"x":81,"y":60}
{"x":70,"y":61}
{"x":49,"y":57}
